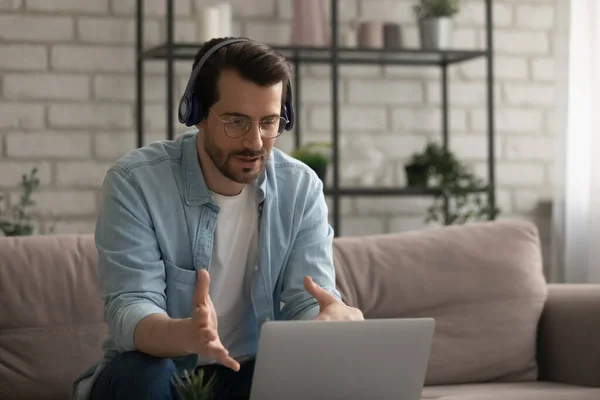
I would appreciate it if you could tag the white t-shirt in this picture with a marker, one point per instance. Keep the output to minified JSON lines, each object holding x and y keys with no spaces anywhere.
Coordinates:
{"x":234,"y":260}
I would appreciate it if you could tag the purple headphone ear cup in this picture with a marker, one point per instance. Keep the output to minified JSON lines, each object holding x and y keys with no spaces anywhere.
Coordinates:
{"x":290,"y":117}
{"x":195,"y":116}
{"x":188,"y":110}
{"x":183,"y":111}
{"x":284,"y":114}
{"x":289,"y":108}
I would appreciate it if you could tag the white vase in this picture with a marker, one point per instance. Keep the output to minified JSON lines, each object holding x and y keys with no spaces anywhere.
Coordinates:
{"x":436,"y":33}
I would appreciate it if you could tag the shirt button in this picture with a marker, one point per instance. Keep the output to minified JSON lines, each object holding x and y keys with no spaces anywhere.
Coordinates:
{"x":256,"y":267}
{"x":267,"y":319}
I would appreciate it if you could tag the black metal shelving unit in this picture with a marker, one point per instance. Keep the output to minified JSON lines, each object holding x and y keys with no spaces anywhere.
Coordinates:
{"x":335,"y":56}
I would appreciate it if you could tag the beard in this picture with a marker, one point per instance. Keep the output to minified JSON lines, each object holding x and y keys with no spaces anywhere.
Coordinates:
{"x":225,"y":162}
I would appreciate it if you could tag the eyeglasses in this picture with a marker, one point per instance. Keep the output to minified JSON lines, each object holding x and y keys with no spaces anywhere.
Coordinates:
{"x":238,"y":125}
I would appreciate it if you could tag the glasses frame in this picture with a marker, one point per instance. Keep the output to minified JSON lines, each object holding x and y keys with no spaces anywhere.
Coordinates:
{"x":225,"y":122}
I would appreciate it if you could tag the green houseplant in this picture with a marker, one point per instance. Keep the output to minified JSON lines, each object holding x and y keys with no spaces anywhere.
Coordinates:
{"x":316,"y":155}
{"x":17,"y":222}
{"x":462,"y":189}
{"x":436,"y":8}
{"x":193,"y":387}
{"x":417,"y":171}
{"x":435,"y":22}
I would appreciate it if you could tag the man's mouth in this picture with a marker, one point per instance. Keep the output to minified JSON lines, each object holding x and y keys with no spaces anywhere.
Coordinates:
{"x":248,"y":162}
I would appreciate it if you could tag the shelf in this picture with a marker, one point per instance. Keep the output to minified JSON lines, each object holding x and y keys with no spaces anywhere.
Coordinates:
{"x":187,"y":51}
{"x":337,"y":58}
{"x":387,"y":191}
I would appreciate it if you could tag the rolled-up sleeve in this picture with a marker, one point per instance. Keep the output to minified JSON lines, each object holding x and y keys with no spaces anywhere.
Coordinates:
{"x":130,"y":267}
{"x":311,"y":255}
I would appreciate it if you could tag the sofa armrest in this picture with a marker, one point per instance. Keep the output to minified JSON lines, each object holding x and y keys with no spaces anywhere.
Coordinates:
{"x":569,"y":335}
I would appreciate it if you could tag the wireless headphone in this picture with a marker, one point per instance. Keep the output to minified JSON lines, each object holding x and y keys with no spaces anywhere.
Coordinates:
{"x":191,"y":111}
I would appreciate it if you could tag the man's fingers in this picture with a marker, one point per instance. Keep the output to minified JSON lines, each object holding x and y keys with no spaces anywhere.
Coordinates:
{"x":321,"y":295}
{"x":202,"y":286}
{"x":230,"y":363}
{"x":221,"y":355}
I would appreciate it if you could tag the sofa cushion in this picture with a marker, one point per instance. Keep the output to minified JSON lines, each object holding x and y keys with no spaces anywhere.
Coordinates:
{"x":511,"y":391}
{"x":481,"y":282}
{"x":51,"y":316}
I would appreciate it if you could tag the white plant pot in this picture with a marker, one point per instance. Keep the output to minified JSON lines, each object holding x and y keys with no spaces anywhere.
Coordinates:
{"x":436,"y":33}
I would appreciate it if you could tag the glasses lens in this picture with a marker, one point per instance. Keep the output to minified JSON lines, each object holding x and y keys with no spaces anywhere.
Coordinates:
{"x":270,"y":127}
{"x":237,"y":126}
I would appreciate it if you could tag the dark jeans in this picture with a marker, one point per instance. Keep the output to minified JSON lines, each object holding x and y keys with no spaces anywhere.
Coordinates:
{"x":135,"y":375}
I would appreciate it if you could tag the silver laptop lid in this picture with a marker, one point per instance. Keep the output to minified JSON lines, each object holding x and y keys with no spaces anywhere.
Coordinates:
{"x":350,"y":360}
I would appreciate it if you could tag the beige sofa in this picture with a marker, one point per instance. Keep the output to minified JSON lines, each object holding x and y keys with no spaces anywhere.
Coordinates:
{"x":502,"y":333}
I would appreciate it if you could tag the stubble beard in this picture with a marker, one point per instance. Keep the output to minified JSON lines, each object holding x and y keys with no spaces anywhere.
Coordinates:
{"x":222,"y":162}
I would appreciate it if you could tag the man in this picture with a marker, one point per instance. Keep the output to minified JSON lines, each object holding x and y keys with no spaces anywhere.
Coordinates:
{"x":204,"y":238}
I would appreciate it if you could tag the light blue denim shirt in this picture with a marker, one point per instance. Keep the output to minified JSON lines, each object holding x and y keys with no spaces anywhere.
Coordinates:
{"x":155,"y":229}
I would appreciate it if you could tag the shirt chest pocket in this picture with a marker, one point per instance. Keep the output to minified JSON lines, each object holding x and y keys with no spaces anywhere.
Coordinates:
{"x":180,"y":290}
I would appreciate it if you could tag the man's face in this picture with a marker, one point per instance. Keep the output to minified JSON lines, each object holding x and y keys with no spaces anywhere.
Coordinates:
{"x":240,"y":159}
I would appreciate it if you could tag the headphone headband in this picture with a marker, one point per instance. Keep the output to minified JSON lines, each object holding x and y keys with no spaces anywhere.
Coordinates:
{"x":191,"y":111}
{"x":206,"y":56}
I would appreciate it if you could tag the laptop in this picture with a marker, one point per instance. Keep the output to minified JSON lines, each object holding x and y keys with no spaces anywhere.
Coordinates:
{"x":374,"y":359}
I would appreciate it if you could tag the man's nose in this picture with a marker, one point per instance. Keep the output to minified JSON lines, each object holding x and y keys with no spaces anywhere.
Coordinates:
{"x":253,"y":138}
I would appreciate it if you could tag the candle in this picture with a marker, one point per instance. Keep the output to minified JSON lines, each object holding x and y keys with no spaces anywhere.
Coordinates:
{"x":224,"y":19}
{"x":208,"y":23}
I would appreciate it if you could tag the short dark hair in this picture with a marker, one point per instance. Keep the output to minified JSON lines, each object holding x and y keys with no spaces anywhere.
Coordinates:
{"x":254,"y":61}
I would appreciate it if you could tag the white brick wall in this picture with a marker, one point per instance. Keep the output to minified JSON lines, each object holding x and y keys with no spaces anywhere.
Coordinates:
{"x":10,"y":4}
{"x":23,"y":57}
{"x":38,"y":28}
{"x":473,"y":14}
{"x":385,"y":92}
{"x":67,"y":98}
{"x":152,"y":8}
{"x":46,"y":86}
{"x":543,"y":69}
{"x":21,"y":115}
{"x":78,"y":6}
{"x":521,"y":42}
{"x":535,"y":16}
{"x":115,"y":31}
{"x":88,"y":58}
{"x":47,"y":145}
{"x":506,"y":68}
{"x":72,"y":115}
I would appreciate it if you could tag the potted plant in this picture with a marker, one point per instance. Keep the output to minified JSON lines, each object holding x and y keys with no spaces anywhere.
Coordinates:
{"x":417,"y":171}
{"x":435,"y":23}
{"x":18,"y":223}
{"x":316,"y":155}
{"x":193,"y":386}
{"x":458,"y":186}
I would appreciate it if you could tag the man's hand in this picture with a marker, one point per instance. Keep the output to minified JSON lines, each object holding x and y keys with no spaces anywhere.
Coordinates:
{"x":331,"y":309}
{"x":203,"y":334}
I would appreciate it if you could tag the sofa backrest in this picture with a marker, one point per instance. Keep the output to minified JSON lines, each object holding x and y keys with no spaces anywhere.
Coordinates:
{"x":51,"y":317}
{"x":482,"y":282}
